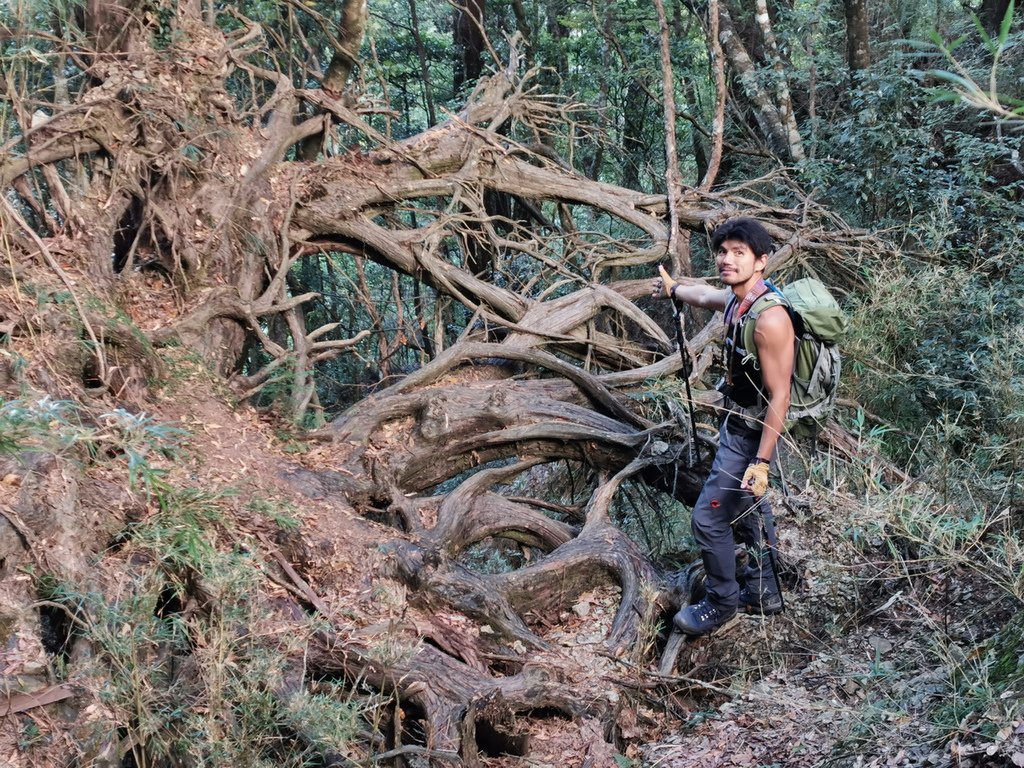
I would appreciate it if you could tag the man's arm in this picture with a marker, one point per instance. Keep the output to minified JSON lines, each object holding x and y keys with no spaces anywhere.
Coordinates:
{"x":693,"y":292}
{"x":776,"y":348}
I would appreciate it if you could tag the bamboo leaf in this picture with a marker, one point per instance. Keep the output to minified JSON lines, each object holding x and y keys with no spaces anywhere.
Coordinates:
{"x":985,"y":38}
{"x":953,"y":45}
{"x":952,"y":77}
{"x":1004,"y":27}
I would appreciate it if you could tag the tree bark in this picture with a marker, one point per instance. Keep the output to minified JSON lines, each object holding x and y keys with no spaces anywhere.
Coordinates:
{"x":858,"y":39}
{"x":717,"y":58}
{"x":635,"y":108}
{"x":678,"y":251}
{"x":351,"y":30}
{"x":469,"y":41}
{"x":992,"y":13}
{"x":110,"y":26}
{"x":783,"y":100}
{"x":421,"y":55}
{"x":766,"y":112}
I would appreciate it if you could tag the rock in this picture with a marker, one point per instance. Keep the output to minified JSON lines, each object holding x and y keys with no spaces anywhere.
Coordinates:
{"x":880,"y":644}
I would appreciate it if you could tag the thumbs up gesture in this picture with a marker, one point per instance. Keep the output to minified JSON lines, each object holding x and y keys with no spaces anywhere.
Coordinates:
{"x":663,"y":284}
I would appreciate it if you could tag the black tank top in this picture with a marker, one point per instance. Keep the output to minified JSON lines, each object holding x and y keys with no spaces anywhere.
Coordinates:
{"x":743,"y":382}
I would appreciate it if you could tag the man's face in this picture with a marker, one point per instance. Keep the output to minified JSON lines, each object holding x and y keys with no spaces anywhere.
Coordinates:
{"x":737,"y":263}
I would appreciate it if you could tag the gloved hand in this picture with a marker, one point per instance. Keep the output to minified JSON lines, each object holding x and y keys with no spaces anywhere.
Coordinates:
{"x":664,"y":283}
{"x":755,"y":479}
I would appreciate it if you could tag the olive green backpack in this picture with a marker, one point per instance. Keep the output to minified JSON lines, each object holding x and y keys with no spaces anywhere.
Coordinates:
{"x":819,"y":323}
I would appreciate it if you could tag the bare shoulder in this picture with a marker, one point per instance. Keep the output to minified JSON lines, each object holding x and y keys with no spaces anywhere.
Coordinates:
{"x":774,"y":322}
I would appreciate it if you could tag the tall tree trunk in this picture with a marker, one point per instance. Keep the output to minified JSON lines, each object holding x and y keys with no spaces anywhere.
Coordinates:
{"x":525,"y":29}
{"x":718,"y":123}
{"x":351,"y":30}
{"x":812,"y":82}
{"x":469,"y":41}
{"x":783,"y":100}
{"x":677,"y":250}
{"x":110,"y":25}
{"x":634,"y":110}
{"x":555,"y":10}
{"x":421,"y":54}
{"x":992,"y":13}
{"x":769,"y":119}
{"x":350,"y":34}
{"x":858,"y":40}
{"x":595,"y":163}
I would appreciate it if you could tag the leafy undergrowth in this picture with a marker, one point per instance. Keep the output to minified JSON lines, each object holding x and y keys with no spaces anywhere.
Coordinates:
{"x":899,"y":646}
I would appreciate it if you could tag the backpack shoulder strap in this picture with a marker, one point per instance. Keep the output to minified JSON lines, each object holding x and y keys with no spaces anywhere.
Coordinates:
{"x":771,"y":298}
{"x":730,"y":308}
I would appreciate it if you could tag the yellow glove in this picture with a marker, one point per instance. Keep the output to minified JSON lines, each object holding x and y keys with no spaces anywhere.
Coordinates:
{"x":667,"y":283}
{"x":755,"y":479}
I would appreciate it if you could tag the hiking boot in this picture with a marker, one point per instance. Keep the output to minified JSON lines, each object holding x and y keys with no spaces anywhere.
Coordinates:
{"x":765,"y":603}
{"x":702,"y":618}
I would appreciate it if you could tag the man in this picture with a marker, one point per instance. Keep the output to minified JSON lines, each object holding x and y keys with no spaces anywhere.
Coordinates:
{"x":757,"y":386}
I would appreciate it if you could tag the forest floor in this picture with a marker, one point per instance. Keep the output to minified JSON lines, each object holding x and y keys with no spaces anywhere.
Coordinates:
{"x":856,"y":672}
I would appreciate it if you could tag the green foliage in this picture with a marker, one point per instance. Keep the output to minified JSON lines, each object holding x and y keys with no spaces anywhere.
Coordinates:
{"x":29,"y":734}
{"x":139,"y":438}
{"x":178,"y":533}
{"x":494,"y":555}
{"x":25,"y":425}
{"x":398,"y":76}
{"x":283,"y":515}
{"x":964,"y":79}
{"x":897,"y":159}
{"x":952,"y":574}
{"x":929,"y":536}
{"x":933,"y":344}
{"x":888,"y":154}
{"x":983,"y":700}
{"x":63,"y":428}
{"x":196,"y":675}
{"x":655,"y":521}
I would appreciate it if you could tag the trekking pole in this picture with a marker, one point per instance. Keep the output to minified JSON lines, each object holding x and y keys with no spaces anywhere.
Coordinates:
{"x":768,"y":531}
{"x":684,"y":353}
{"x":782,"y":474}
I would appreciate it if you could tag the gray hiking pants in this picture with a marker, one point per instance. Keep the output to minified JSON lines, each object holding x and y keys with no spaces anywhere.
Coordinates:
{"x":724,"y":514}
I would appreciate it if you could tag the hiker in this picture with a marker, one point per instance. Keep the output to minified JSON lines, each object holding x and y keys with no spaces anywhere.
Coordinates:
{"x":757,"y":395}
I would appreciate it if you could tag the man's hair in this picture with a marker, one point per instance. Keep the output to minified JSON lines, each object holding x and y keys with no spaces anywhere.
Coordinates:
{"x":745,"y":230}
